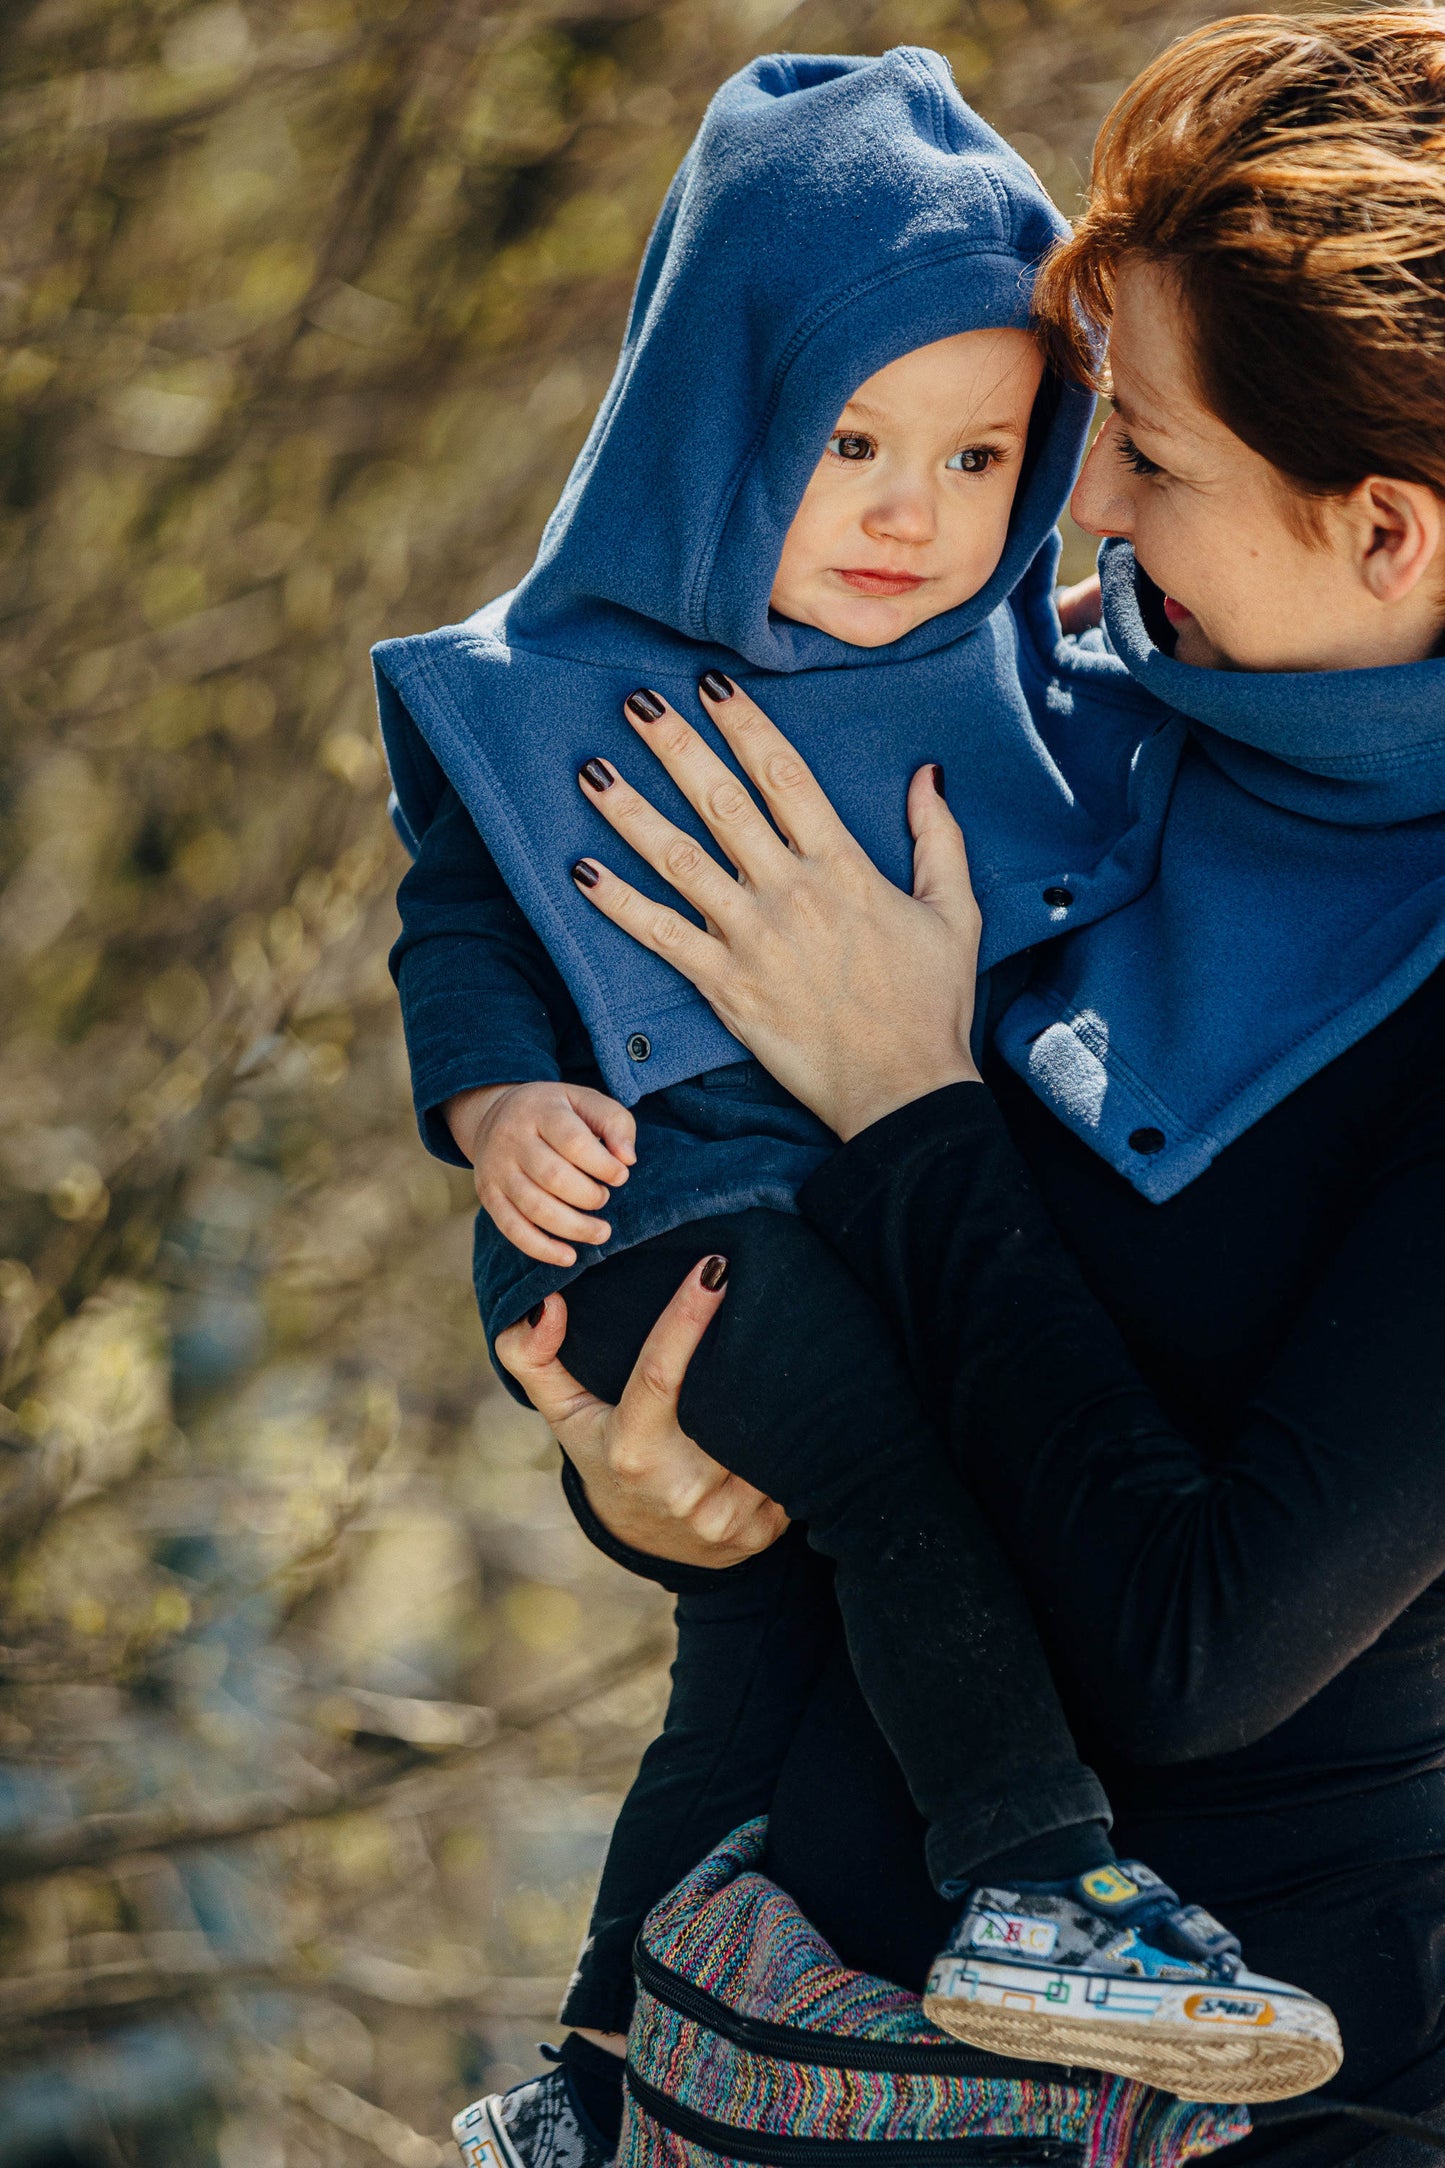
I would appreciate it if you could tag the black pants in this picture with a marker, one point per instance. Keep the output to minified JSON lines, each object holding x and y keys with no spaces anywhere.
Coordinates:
{"x":799,"y":1388}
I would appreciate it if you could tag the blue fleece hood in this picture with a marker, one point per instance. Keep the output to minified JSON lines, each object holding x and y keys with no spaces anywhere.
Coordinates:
{"x":832,"y":214}
{"x":1300,"y":899}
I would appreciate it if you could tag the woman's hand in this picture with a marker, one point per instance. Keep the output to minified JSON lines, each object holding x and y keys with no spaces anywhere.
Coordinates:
{"x":1081,"y":606}
{"x":856,"y":996}
{"x":645,"y":1478}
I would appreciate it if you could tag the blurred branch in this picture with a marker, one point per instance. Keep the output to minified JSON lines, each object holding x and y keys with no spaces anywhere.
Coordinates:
{"x":95,"y":1839}
{"x":346,"y":2111}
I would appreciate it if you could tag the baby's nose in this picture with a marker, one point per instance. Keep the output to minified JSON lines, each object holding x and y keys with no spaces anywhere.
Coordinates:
{"x":902,"y":516}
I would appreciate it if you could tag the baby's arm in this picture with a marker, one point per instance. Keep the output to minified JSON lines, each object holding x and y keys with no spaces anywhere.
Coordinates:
{"x":545,"y":1156}
{"x":489,"y":1026}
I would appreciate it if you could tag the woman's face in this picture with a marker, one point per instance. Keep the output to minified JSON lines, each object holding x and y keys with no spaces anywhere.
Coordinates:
{"x":1252,"y":580}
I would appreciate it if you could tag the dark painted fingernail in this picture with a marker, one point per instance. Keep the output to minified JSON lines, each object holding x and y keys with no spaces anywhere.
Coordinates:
{"x":645,"y":706}
{"x":714,"y":1274}
{"x":585,"y":874}
{"x":716,"y":686}
{"x":596,"y":775}
{"x":937,"y":778}
{"x":536,"y":1313}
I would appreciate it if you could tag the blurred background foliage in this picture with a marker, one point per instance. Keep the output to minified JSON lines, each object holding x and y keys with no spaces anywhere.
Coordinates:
{"x":314,"y":1708}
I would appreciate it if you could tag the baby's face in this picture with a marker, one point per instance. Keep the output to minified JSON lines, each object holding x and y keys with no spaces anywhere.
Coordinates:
{"x":907,"y":512}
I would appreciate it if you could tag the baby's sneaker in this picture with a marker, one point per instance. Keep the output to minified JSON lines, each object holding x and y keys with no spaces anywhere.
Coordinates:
{"x":532,"y":2125}
{"x":1111,"y":1972}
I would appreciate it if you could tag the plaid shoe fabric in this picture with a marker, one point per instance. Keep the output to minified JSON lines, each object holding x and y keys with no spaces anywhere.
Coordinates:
{"x":532,"y":2125}
{"x":1112,"y":1972}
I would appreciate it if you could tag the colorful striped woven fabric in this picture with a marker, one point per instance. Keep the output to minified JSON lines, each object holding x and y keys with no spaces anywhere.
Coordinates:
{"x":749,"y":2033}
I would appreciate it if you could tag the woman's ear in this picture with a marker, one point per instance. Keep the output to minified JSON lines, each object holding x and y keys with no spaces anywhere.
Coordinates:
{"x":1399,"y":529}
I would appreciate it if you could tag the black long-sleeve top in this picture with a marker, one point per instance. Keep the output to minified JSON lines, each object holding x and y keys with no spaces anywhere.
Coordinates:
{"x":1211,"y":1434}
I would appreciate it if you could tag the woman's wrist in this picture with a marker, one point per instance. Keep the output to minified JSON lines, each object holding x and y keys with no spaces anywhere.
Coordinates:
{"x":877,"y":1097}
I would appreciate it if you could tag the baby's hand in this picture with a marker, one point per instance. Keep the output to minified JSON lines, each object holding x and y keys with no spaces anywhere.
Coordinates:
{"x":544,"y":1156}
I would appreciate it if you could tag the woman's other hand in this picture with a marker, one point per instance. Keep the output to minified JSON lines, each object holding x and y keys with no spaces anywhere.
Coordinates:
{"x":647,"y":1481}
{"x":856,"y":996}
{"x":1081,"y":606}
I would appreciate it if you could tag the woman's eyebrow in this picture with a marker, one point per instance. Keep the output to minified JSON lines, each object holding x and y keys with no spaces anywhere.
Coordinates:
{"x":1132,"y":419}
{"x":861,"y":406}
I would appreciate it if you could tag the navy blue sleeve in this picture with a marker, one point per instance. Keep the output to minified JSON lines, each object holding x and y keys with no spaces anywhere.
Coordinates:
{"x":481,"y":1000}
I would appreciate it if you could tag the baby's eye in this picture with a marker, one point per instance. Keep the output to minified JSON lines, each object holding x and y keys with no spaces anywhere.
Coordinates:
{"x":973,"y":459}
{"x":1131,"y":455}
{"x":851,"y":444}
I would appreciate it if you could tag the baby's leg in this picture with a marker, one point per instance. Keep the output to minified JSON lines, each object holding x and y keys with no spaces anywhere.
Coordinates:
{"x":748,"y":1654}
{"x":751,"y":1643}
{"x":799,"y":1387}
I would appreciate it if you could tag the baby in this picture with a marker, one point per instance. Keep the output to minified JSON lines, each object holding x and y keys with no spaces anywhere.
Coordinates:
{"x":830,"y":463}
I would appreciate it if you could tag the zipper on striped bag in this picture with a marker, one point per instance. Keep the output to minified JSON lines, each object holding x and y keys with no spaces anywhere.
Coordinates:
{"x":772,"y":2149}
{"x":830,"y":2051}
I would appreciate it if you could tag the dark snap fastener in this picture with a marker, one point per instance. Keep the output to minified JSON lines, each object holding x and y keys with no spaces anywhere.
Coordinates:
{"x":1146,"y":1140}
{"x":639,"y":1046}
{"x":1058,"y":899}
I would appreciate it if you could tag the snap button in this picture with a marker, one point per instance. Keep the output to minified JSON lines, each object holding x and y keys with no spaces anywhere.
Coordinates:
{"x":639,"y":1046}
{"x":1058,"y":899}
{"x":1146,"y":1140}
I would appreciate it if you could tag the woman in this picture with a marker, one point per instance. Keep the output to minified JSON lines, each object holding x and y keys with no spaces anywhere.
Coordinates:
{"x":1191,"y":1364}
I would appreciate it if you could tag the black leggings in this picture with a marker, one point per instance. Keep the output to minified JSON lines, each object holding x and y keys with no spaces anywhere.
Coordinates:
{"x":799,"y":1388}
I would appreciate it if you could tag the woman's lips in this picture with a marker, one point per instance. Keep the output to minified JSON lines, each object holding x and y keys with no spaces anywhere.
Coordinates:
{"x":882,"y":583}
{"x":1176,"y":612}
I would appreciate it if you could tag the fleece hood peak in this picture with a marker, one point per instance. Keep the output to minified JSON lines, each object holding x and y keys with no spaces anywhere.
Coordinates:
{"x":832,"y":214}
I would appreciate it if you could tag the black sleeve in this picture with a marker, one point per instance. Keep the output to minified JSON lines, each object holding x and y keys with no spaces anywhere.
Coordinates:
{"x":481,"y":1000}
{"x":1197,"y":1601}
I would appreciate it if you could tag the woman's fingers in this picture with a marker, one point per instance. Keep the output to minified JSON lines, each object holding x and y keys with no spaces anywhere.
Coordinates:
{"x":648,"y":1407}
{"x":736,"y":1516}
{"x":529,"y":1352}
{"x":940,"y":858}
{"x":678,"y":857}
{"x":1081,"y":606}
{"x":790,"y":790}
{"x":653,"y":1486}
{"x":708,"y":785}
{"x":699,"y":956}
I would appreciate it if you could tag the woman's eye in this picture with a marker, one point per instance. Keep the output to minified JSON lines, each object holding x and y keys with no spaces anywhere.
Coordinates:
{"x":973,"y":459}
{"x":849,"y":444}
{"x":1132,"y":457}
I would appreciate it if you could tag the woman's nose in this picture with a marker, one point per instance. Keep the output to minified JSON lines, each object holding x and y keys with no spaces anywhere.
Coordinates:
{"x":1101,"y":503}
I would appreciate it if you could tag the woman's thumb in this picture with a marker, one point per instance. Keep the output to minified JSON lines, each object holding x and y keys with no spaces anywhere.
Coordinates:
{"x":528,"y":1350}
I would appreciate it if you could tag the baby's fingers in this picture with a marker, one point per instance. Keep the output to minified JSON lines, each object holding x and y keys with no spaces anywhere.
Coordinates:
{"x":615,"y":1124}
{"x":523,"y":1236}
{"x":575,"y":1132}
{"x":562,"y":1177}
{"x":552,"y":1214}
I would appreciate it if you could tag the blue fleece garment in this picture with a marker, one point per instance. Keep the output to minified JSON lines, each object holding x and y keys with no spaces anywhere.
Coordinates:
{"x":1300,"y":900}
{"x":832,"y":215}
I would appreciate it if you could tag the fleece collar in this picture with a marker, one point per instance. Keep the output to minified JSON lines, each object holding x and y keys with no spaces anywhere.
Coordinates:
{"x":1300,"y":899}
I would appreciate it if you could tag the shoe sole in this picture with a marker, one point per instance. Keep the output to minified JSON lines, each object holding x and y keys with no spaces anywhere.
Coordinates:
{"x":483,"y":2139}
{"x":1210,"y":2058}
